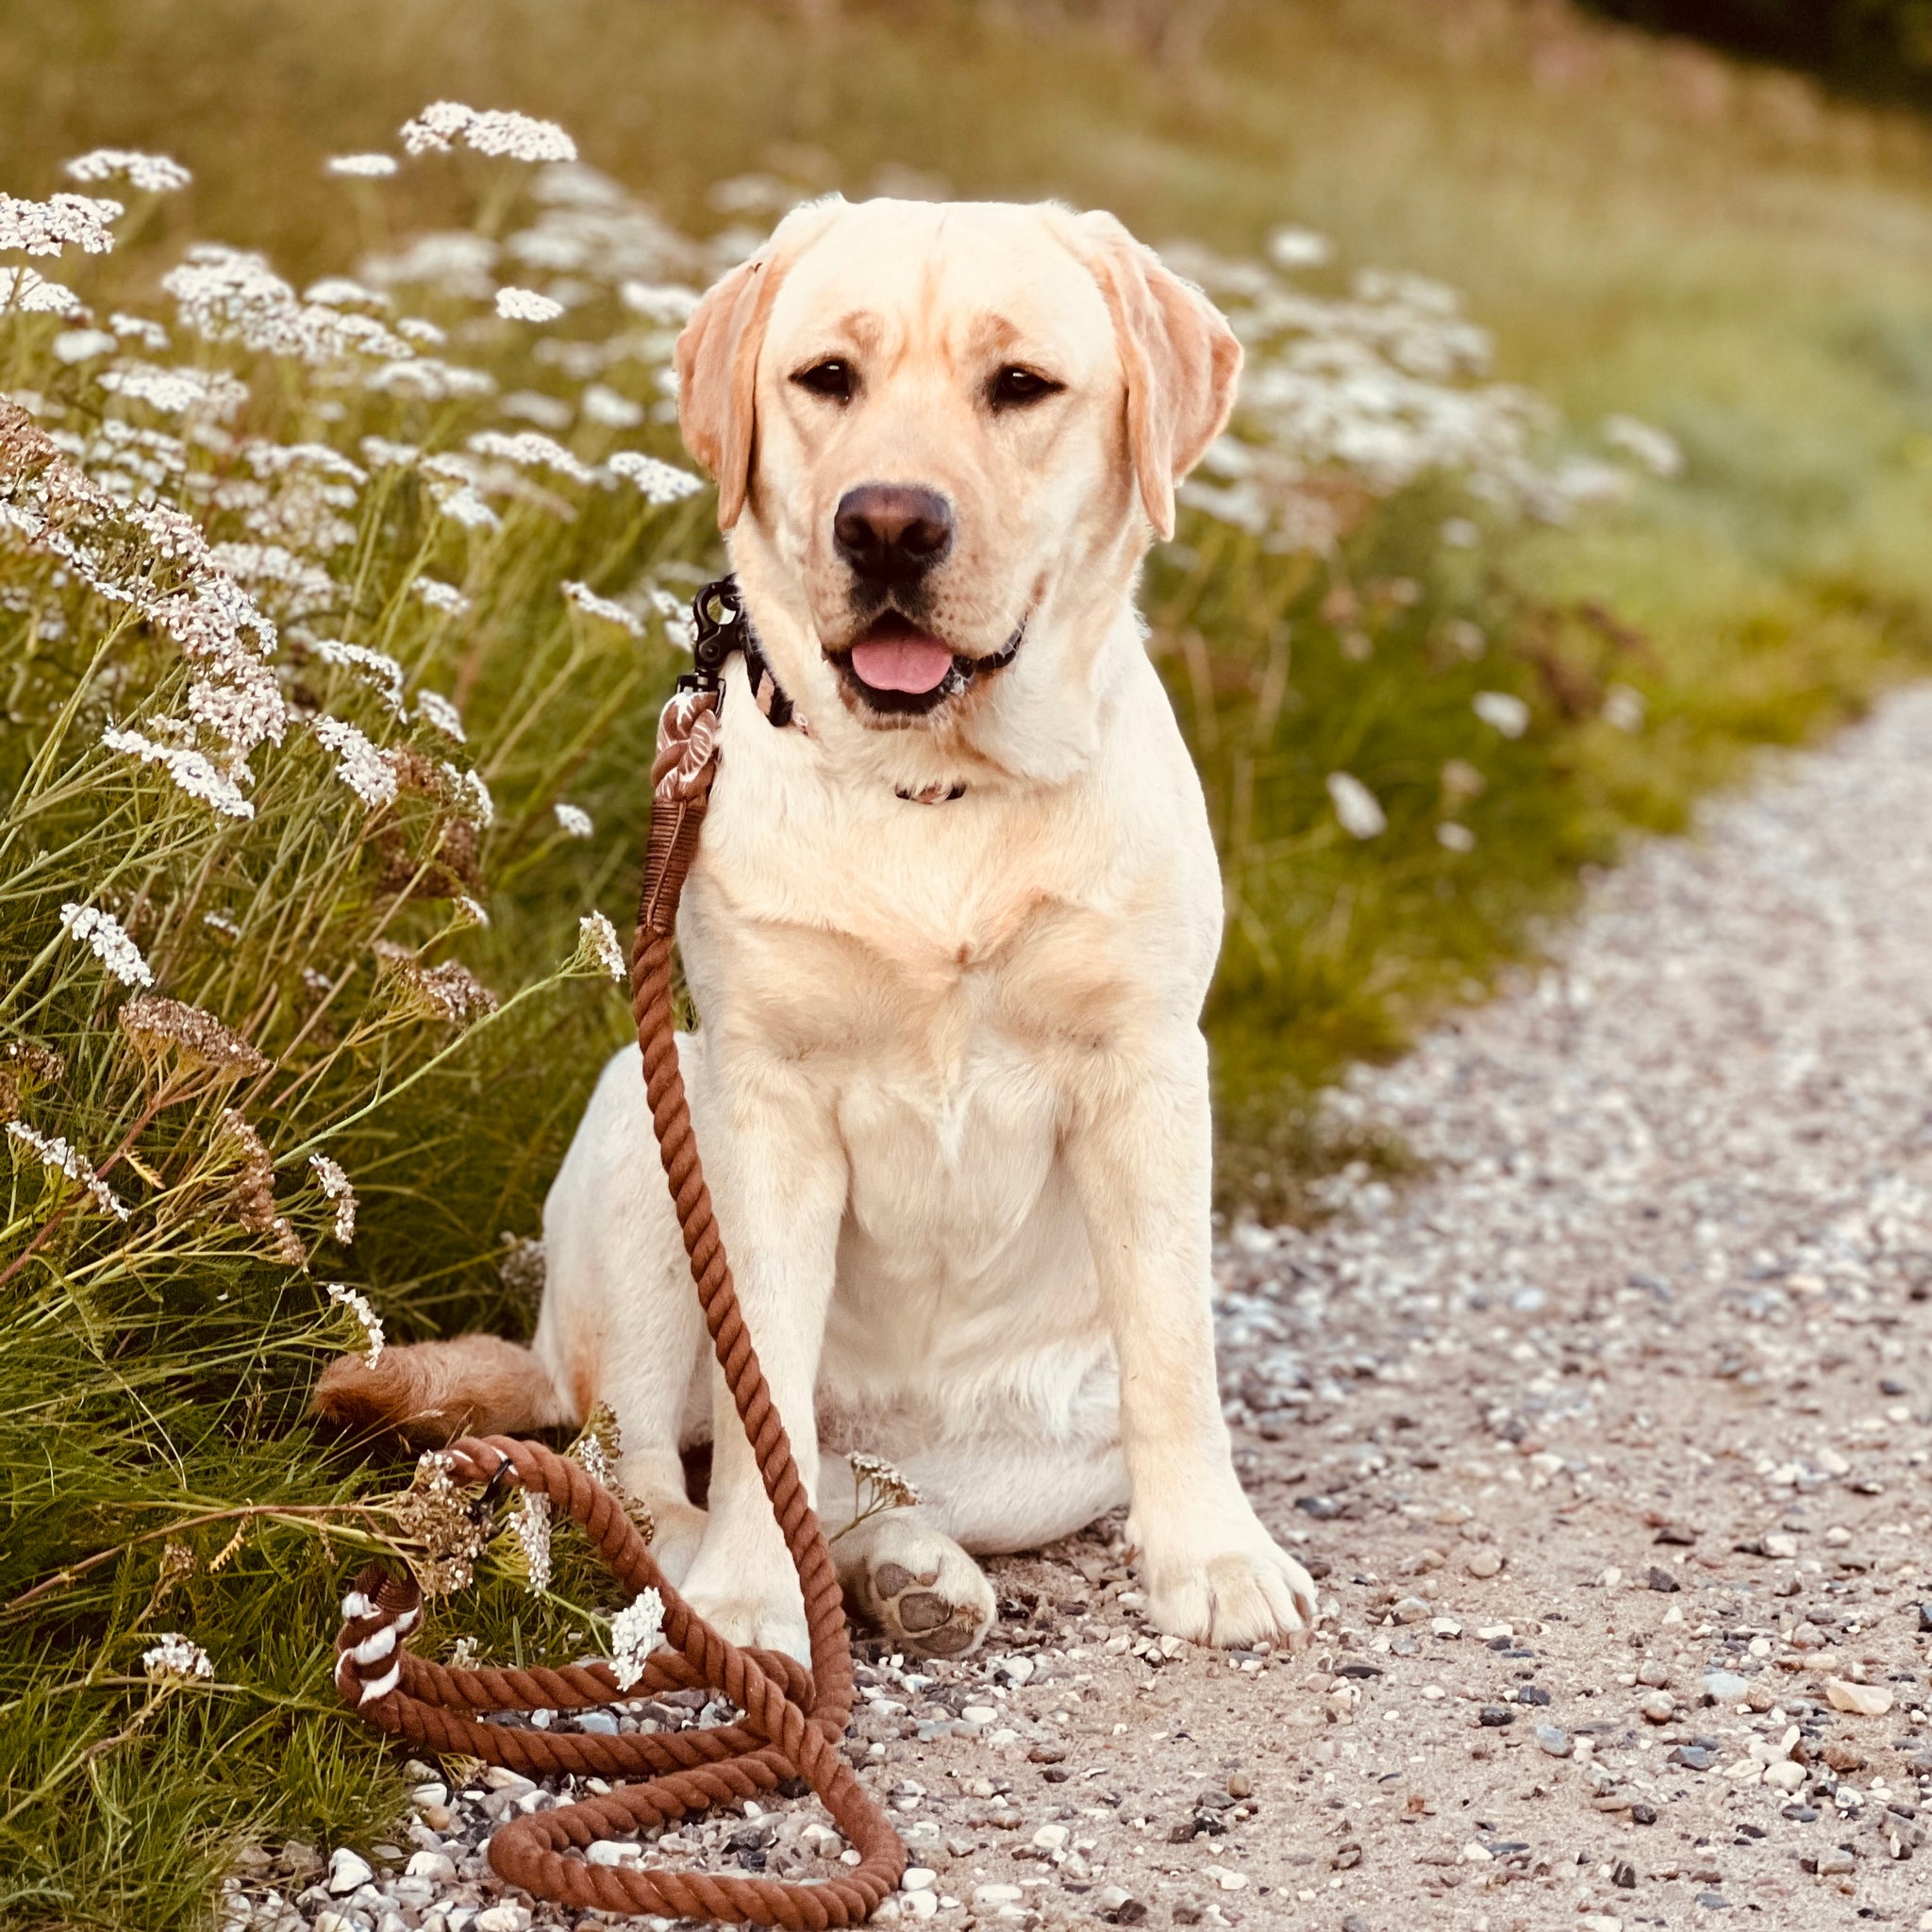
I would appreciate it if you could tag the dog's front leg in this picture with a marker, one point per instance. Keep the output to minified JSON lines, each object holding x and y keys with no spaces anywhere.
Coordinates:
{"x":778,"y":1181}
{"x":1140,"y":1154}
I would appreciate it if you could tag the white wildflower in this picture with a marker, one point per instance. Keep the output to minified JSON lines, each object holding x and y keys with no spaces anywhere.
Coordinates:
{"x":1655,"y":449}
{"x":536,"y":406}
{"x":527,"y":305}
{"x":635,"y":1632}
{"x":1292,"y":248}
{"x":462,"y":504}
{"x":109,"y":940}
{"x":191,"y":770}
{"x":177,"y":392}
{"x":73,"y":345}
{"x":678,"y":620}
{"x":530,"y":449}
{"x":45,"y":228}
{"x":885,"y":1486}
{"x":361,"y":167}
{"x":1503,"y":710}
{"x":30,"y":292}
{"x":140,"y":330}
{"x":587,"y":601}
{"x":1357,"y":807}
{"x":220,"y":923}
{"x":1453,"y":836}
{"x":473,"y":797}
{"x":607,"y":408}
{"x":358,"y":764}
{"x":518,"y":137}
{"x":53,"y":1151}
{"x":337,"y":1186}
{"x":532,"y":1527}
{"x":1460,"y":533}
{"x":597,"y":945}
{"x":437,"y":711}
{"x":573,"y":820}
{"x":381,"y":453}
{"x":377,"y":668}
{"x":441,"y":596}
{"x":469,"y":912}
{"x":1624,"y":708}
{"x":358,"y":1304}
{"x":177,"y":1659}
{"x":666,"y":304}
{"x":659,"y":482}
{"x":151,"y":174}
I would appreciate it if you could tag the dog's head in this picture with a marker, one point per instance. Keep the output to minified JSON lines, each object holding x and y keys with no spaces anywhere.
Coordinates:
{"x":943,"y":436}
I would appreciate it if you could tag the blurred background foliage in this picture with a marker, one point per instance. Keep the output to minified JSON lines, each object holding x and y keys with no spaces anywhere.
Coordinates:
{"x":1645,"y":230}
{"x":1877,"y":48}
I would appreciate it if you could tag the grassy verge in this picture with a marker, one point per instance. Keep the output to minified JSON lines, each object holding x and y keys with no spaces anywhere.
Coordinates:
{"x":1418,"y":710}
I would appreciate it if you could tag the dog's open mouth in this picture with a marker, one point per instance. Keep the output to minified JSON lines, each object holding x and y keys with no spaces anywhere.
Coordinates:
{"x":894,"y":666}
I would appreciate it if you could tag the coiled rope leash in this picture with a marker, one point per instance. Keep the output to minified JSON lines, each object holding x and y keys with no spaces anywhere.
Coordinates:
{"x":793,"y":1721}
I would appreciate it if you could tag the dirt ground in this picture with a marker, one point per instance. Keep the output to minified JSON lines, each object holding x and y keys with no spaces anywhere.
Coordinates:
{"x":1606,"y":1436}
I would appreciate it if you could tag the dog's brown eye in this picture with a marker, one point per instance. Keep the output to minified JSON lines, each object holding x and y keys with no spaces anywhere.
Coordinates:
{"x":830,"y":377}
{"x":1014,"y":387}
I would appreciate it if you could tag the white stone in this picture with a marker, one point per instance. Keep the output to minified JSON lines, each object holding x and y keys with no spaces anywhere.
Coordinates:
{"x":991,"y":1895}
{"x":1784,"y":1776}
{"x":1052,"y":1838}
{"x":918,"y":1879}
{"x":430,"y":1865}
{"x":1861,"y":1699}
{"x":503,"y":1918}
{"x":346,"y":1870}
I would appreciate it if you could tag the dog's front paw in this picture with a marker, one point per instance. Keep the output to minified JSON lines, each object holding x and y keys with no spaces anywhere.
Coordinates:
{"x":1235,"y":1593}
{"x":774,"y":1620}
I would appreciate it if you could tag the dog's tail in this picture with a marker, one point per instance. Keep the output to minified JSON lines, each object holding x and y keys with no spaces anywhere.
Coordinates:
{"x":430,"y":1392}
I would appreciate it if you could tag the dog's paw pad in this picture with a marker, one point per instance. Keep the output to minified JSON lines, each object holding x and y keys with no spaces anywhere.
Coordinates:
{"x":912,"y":1610}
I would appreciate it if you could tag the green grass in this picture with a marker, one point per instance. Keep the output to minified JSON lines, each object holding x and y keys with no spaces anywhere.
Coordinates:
{"x":1742,"y":267}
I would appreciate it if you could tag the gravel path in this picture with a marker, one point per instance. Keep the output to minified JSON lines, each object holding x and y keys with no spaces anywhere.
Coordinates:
{"x":1607,"y":1437}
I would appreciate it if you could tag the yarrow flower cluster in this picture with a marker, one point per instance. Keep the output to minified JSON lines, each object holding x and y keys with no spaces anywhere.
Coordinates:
{"x":358,"y":764}
{"x":363,"y":167}
{"x":177,"y":1659}
{"x":193,"y":771}
{"x":337,"y":1186}
{"x":518,"y":137}
{"x":109,"y":939}
{"x":437,"y":711}
{"x":573,"y":820}
{"x":527,"y":305}
{"x":531,"y":1525}
{"x":659,"y":482}
{"x":31,"y":293}
{"x":54,"y":1152}
{"x":188,"y":1034}
{"x":634,"y":1633}
{"x":597,"y":945}
{"x":592,"y":605}
{"x":62,"y":221}
{"x":150,"y":174}
{"x":358,"y":1304}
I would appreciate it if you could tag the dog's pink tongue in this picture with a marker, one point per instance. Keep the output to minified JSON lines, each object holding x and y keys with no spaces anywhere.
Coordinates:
{"x":915,"y":663}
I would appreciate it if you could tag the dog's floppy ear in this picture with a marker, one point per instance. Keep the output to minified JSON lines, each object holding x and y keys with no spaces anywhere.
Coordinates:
{"x":1181,"y":360}
{"x":717,"y":358}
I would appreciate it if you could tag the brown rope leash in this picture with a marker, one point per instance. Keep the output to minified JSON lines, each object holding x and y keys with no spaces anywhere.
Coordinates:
{"x":792,"y":1721}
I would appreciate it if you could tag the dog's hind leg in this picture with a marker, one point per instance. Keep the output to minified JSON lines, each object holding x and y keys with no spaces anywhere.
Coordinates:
{"x":908,"y":1568}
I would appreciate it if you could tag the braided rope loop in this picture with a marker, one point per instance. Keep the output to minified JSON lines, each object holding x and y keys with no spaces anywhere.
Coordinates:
{"x":793,"y":1720}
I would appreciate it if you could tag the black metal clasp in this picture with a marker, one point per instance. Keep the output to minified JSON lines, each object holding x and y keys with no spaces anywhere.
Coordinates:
{"x":719,"y":628}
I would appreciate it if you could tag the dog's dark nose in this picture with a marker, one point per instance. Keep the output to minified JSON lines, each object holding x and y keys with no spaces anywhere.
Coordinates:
{"x":892,"y":533}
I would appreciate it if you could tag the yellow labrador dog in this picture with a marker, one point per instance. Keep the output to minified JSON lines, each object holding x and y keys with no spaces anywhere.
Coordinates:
{"x":949,"y":936}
